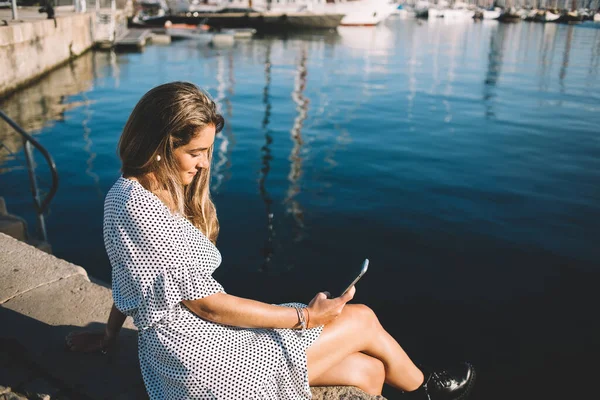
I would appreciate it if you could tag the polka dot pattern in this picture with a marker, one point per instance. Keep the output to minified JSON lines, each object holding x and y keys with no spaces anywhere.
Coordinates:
{"x":159,"y":259}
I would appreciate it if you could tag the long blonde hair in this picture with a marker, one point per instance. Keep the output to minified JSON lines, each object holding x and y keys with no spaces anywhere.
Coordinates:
{"x":167,"y":117}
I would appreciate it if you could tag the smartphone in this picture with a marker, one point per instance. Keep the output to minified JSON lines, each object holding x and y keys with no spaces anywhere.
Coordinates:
{"x":363,"y":269}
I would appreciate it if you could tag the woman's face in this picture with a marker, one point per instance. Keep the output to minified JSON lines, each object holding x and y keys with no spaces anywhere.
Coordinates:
{"x":193,"y":156}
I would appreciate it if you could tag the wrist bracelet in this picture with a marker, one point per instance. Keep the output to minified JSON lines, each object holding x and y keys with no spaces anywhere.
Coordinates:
{"x":307,"y":318}
{"x":301,"y":318}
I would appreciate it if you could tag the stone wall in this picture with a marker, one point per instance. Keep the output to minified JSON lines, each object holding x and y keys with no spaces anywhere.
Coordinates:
{"x":30,"y":49}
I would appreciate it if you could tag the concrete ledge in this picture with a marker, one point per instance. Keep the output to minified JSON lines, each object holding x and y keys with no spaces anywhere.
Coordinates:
{"x":46,"y":297}
{"x":32,"y":48}
{"x":23,"y":269}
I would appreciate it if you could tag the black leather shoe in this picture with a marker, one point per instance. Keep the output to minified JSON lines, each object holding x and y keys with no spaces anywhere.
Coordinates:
{"x":450,"y":384}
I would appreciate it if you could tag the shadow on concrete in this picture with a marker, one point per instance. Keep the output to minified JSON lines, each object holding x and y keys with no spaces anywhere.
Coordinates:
{"x":87,"y":376}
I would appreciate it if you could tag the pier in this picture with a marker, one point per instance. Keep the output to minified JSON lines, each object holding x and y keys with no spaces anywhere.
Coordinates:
{"x":33,"y":45}
{"x":133,"y":38}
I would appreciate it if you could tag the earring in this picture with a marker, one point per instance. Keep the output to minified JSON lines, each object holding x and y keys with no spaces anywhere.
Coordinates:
{"x":157,"y":158}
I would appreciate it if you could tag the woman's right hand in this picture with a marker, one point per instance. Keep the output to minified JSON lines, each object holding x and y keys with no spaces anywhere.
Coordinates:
{"x":323,"y":310}
{"x":89,"y":342}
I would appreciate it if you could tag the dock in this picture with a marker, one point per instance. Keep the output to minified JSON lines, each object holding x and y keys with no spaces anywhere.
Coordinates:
{"x":130,"y":38}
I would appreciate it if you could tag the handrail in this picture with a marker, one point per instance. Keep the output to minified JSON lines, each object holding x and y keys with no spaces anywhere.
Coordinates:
{"x":28,"y":140}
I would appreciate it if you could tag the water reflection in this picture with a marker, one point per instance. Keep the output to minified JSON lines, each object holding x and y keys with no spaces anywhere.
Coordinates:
{"x":546,"y":54}
{"x":88,"y":145}
{"x":268,"y":247}
{"x":225,"y":139}
{"x":565,"y":61}
{"x":594,"y":57}
{"x":494,"y":66}
{"x":295,"y":157}
{"x":45,"y":102}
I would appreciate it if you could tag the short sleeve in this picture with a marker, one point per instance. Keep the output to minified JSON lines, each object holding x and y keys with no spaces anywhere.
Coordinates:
{"x":153,"y":266}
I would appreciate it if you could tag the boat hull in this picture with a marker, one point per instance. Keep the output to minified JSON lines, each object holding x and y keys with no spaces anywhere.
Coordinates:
{"x":262,"y":22}
{"x":363,"y":12}
{"x":492,"y":14}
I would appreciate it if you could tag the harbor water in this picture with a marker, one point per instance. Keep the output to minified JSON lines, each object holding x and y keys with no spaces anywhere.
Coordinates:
{"x":462,"y":159}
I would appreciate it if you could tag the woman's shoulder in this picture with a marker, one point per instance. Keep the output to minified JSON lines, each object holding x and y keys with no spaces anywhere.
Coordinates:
{"x":128,"y":193}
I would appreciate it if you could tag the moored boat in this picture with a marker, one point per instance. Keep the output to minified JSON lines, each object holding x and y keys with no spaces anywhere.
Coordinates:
{"x":261,"y":21}
{"x":510,"y":15}
{"x":530,"y":15}
{"x":361,"y":12}
{"x":225,"y":38}
{"x":243,"y":33}
{"x":186,"y":31}
{"x":460,"y":11}
{"x":549,"y":16}
{"x":422,"y":9}
{"x":356,"y":12}
{"x":492,"y":14}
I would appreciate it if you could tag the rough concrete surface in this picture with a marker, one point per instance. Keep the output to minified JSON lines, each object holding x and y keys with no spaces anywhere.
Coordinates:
{"x":49,"y":298}
{"x":23,"y":269}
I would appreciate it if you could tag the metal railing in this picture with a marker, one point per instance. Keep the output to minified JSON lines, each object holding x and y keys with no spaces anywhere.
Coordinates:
{"x":41,"y":206}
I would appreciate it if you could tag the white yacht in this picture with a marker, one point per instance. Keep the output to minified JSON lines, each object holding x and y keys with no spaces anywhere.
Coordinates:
{"x":442,"y":9}
{"x":492,"y":14}
{"x":459,"y":10}
{"x":362,"y":12}
{"x":357,"y":12}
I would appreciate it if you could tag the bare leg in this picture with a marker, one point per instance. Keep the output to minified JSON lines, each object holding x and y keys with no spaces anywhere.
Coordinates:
{"x":365,"y":372}
{"x":357,"y":329}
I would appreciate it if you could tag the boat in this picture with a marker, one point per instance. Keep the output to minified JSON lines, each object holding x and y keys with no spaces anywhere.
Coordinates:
{"x":597,"y":17}
{"x":199,"y":33}
{"x":404,"y":12}
{"x":261,"y":21}
{"x":422,"y":13}
{"x":571,"y":17}
{"x":510,"y":15}
{"x":224,"y":38}
{"x":457,"y":13}
{"x":530,"y":15}
{"x":585,"y":14}
{"x":243,"y":33}
{"x":550,"y":16}
{"x":422,"y":9}
{"x":370,"y":13}
{"x":148,"y":11}
{"x":356,"y":12}
{"x":492,"y":14}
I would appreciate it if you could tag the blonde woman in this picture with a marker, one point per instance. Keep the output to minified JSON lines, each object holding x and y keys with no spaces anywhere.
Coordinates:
{"x":195,"y":340}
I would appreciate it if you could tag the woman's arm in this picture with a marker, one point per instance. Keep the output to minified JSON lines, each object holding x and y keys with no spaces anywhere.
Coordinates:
{"x":116,"y":319}
{"x":97,"y":341}
{"x":245,"y":313}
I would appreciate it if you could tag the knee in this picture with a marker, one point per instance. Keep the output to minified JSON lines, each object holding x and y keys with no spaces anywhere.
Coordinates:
{"x":373,"y":377}
{"x":364,"y":316}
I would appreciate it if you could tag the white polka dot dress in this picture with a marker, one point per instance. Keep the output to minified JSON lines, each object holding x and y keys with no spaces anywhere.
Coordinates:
{"x":159,"y":259}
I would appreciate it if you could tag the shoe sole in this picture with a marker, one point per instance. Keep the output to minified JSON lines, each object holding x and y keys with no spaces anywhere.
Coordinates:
{"x":466,"y":393}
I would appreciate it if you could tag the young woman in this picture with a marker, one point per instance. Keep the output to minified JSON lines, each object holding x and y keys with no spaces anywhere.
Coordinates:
{"x":195,"y":340}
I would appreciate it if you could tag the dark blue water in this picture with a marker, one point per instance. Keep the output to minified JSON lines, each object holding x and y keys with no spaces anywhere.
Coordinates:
{"x":462,"y":159}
